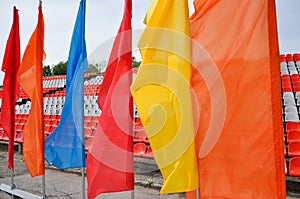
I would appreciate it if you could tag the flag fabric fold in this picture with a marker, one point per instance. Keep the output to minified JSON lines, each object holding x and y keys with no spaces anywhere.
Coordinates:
{"x":10,"y":66}
{"x":110,"y":158}
{"x":30,"y":79}
{"x":64,"y":147}
{"x":161,"y":92}
{"x":237,"y":82}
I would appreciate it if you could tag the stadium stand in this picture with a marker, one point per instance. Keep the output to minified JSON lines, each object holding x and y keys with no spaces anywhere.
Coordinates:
{"x":54,"y":91}
{"x":290,"y":86}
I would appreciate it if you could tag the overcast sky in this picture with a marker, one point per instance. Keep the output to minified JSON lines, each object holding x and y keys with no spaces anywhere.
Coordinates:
{"x":103,"y":18}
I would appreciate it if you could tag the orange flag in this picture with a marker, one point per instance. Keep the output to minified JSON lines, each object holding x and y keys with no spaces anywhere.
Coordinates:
{"x":30,"y":79}
{"x":236,"y":81}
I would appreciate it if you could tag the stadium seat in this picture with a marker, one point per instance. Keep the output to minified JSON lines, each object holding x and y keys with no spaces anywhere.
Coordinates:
{"x":86,"y":123}
{"x":139,"y":149}
{"x":48,"y":130}
{"x":294,"y":166}
{"x":93,"y":124}
{"x":292,"y":126}
{"x":286,"y":88}
{"x":297,"y":95}
{"x":19,"y":127}
{"x":19,"y":137}
{"x":5,"y":136}
{"x":138,"y":127}
{"x":295,"y":76}
{"x":291,"y":117}
{"x":284,"y":72}
{"x":294,"y":149}
{"x":140,"y":137}
{"x":88,"y":118}
{"x":296,"y":88}
{"x":54,"y":123}
{"x":293,"y":71}
{"x":285,"y":77}
{"x":289,"y":101}
{"x":290,"y":108}
{"x":149,"y":153}
{"x":22,"y":121}
{"x":293,"y":136}
{"x":287,"y":95}
{"x":88,"y":143}
{"x":88,"y":132}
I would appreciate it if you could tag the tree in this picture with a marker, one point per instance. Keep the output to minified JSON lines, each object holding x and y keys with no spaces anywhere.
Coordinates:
{"x":93,"y":68}
{"x":60,"y":68}
{"x":47,"y":71}
{"x":135,"y":63}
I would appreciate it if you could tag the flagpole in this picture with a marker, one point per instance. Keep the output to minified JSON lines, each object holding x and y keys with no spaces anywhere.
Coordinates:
{"x":13,"y":186}
{"x":83,"y":183}
{"x":197,"y":193}
{"x":44,"y":176}
{"x":43,"y":187}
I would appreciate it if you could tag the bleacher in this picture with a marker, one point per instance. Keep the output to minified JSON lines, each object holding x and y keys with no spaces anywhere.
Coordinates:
{"x":54,"y":92}
{"x":290,"y":84}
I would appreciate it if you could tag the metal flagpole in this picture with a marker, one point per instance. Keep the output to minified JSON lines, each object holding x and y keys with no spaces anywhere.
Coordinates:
{"x":83,"y":183}
{"x":197,"y":193}
{"x":44,"y":187}
{"x":132,"y":194}
{"x":13,"y":186}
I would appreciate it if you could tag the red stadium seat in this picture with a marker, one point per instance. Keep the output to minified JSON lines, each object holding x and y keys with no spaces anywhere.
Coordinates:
{"x":295,"y":76}
{"x":88,"y":132}
{"x":88,"y":143}
{"x":294,"y":167}
{"x":5,"y":136}
{"x":140,"y":137}
{"x":292,"y":126}
{"x":88,"y":118}
{"x":48,"y":129}
{"x":138,"y":127}
{"x":149,"y":153}
{"x":19,"y":127}
{"x":139,"y":149}
{"x":54,"y":123}
{"x":47,"y":122}
{"x":47,"y":117}
{"x":93,"y":124}
{"x":294,"y":149}
{"x":293,"y":136}
{"x":19,"y":137}
{"x":285,"y":77}
{"x":22,"y":121}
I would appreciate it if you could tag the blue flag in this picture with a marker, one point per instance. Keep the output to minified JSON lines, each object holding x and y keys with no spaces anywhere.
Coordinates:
{"x":64,"y":147}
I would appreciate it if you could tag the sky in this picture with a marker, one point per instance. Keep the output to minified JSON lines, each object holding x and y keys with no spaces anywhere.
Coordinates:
{"x":103,"y":18}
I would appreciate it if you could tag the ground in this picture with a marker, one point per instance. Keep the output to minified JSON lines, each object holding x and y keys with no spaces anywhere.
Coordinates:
{"x":67,"y":184}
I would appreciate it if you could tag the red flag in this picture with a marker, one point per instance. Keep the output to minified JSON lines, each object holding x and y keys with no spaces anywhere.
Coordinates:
{"x":10,"y":66}
{"x":237,"y":84}
{"x":30,"y":79}
{"x":110,"y":158}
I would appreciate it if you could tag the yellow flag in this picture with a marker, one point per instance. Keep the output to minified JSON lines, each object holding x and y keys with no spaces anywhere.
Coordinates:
{"x":161,"y":91}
